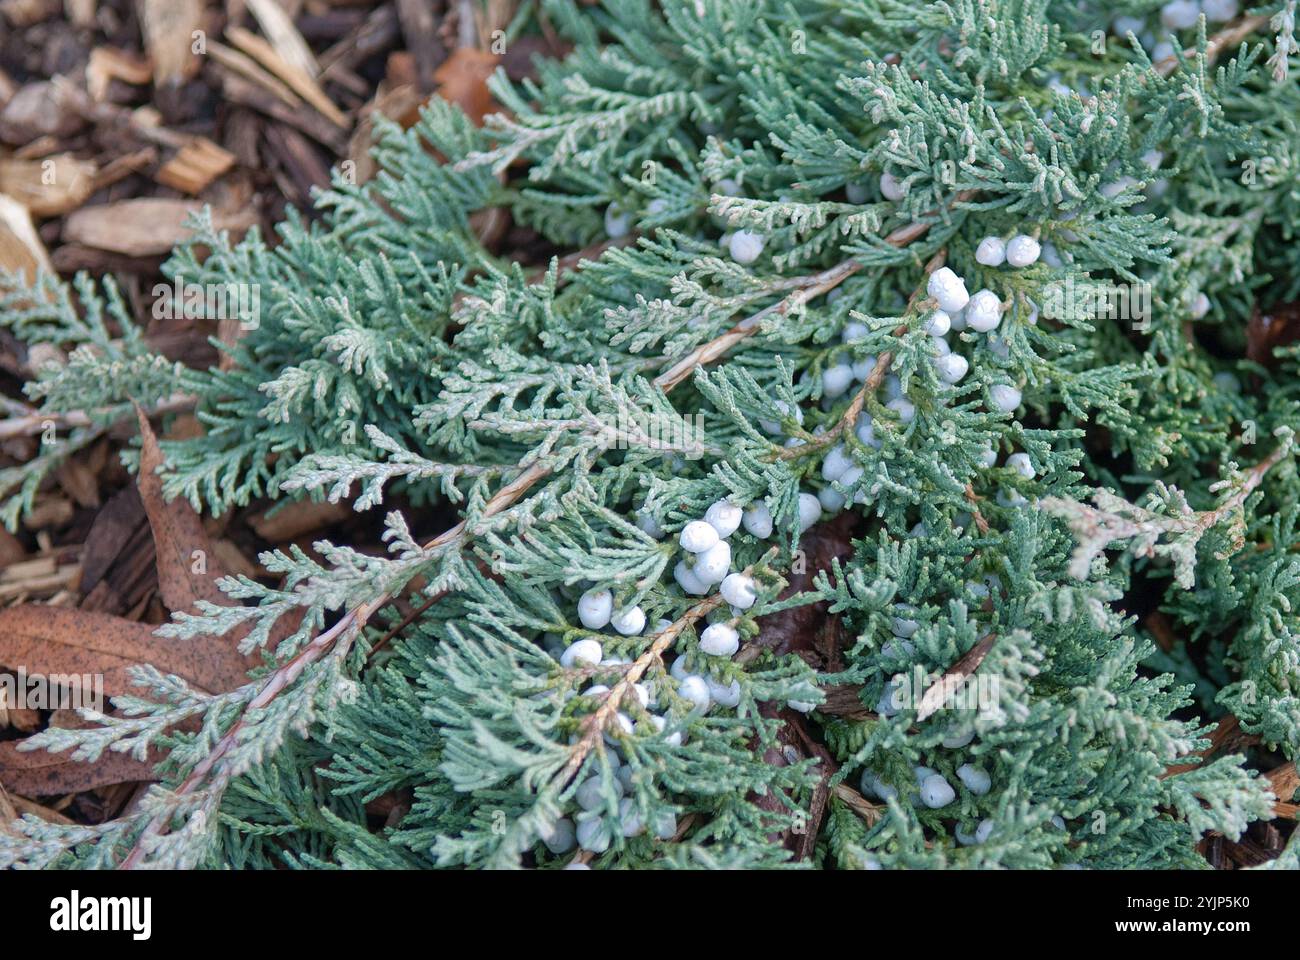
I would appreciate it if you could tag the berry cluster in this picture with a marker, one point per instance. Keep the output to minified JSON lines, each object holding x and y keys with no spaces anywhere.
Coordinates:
{"x":934,"y":790}
{"x":705,"y":566}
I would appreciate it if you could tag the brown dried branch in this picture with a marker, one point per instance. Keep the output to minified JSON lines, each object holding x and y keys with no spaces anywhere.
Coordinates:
{"x":29,"y":422}
{"x":859,"y":804}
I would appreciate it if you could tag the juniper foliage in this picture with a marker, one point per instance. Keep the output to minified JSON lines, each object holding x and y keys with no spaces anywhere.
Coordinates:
{"x":396,"y":358}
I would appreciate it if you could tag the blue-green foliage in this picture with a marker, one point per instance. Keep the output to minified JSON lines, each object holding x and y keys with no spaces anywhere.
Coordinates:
{"x":393,"y":353}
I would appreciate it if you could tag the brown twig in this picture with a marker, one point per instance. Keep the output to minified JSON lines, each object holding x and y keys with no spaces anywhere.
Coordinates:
{"x":1229,"y":36}
{"x":973,"y":499}
{"x":809,"y":288}
{"x":1284,"y":781}
{"x":859,"y":804}
{"x":406,"y":621}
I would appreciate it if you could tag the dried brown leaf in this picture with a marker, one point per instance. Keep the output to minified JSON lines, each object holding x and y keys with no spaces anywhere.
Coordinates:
{"x":38,"y":773}
{"x":54,"y":640}
{"x":21,"y":805}
{"x":462,"y":80}
{"x":187,"y":567}
{"x":21,"y":250}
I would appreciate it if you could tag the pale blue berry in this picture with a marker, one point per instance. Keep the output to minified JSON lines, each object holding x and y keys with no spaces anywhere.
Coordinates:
{"x":1022,"y":250}
{"x":593,"y":835}
{"x":724,"y":517}
{"x":584,"y":652}
{"x":739,"y":590}
{"x":758,"y":520}
{"x":836,"y":380}
{"x":977,"y":780}
{"x":810,"y":511}
{"x":695,"y":690}
{"x":719,"y":640}
{"x":745,"y":246}
{"x":984,"y":312}
{"x":712,"y":565}
{"x":595,"y":608}
{"x":560,"y":837}
{"x":991,"y":252}
{"x":629,"y":621}
{"x":937,"y":792}
{"x":697,"y":536}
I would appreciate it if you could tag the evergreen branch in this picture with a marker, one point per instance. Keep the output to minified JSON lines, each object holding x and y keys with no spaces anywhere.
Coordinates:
{"x":279,"y":681}
{"x":26,"y":421}
{"x":774,"y":177}
{"x":1283,"y":22}
{"x":355,"y":619}
{"x":344,"y":632}
{"x":808,"y":288}
{"x":827,"y":439}
{"x":1113,"y":518}
{"x":571,"y":263}
{"x":1230,"y":36}
{"x":595,"y":724}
